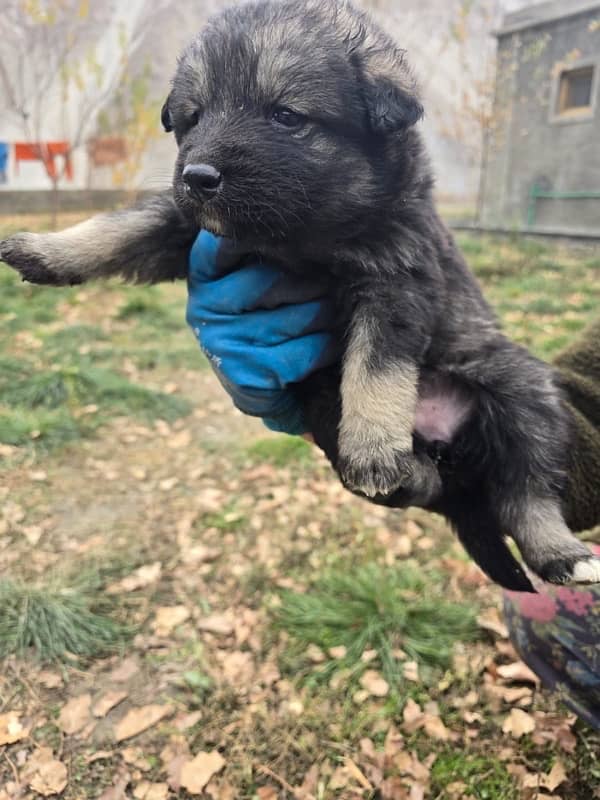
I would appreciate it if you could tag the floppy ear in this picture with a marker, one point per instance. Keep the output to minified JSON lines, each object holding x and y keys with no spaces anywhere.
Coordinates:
{"x":389,"y":88}
{"x":392,"y":107}
{"x":165,"y":116}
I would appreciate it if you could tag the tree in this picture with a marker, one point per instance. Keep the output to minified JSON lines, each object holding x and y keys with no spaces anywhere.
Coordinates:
{"x":61,"y":62}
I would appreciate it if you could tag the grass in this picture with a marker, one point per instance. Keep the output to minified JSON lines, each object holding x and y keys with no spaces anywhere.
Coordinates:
{"x":50,"y":407}
{"x":57,"y":622}
{"x":485,"y":778}
{"x":372,"y":607}
{"x":281,"y":451}
{"x":543,"y":293}
{"x":73,"y":359}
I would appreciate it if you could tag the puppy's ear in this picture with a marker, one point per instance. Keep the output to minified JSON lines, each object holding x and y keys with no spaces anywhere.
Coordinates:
{"x":388,"y":86}
{"x":165,"y":116}
{"x":392,"y":107}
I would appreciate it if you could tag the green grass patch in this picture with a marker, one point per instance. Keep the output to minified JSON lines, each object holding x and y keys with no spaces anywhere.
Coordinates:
{"x":146,"y":306}
{"x":372,"y":607}
{"x":281,"y":451}
{"x":58,"y":622}
{"x":45,"y":406}
{"x":485,"y":777}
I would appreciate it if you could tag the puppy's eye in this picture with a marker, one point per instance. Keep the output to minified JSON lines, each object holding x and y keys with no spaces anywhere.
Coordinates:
{"x":193,"y":118}
{"x":287,"y":118}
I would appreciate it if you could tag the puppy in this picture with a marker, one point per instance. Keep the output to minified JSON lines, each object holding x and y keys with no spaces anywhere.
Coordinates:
{"x":295,"y":123}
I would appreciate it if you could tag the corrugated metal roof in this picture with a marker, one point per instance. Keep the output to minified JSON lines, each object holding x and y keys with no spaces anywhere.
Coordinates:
{"x":543,"y":13}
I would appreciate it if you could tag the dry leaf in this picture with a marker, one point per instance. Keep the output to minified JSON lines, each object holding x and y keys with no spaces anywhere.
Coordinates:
{"x":237,"y":667}
{"x":106,"y":702}
{"x":374,"y":683}
{"x":11,"y":729}
{"x":412,"y":715}
{"x":197,"y":773}
{"x":168,"y":618}
{"x":174,"y":756}
{"x":216,"y":623}
{"x":490,"y":620}
{"x":514,"y":694}
{"x":126,"y":670}
{"x":267,"y":793}
{"x":140,"y":719}
{"x":100,"y":755}
{"x":44,"y":774}
{"x":315,"y":654}
{"x":339,"y":779}
{"x":410,"y":670}
{"x":117,"y":790}
{"x":434,"y":727}
{"x":75,"y":715}
{"x":50,"y":680}
{"x":180,"y":440}
{"x":518,"y":723}
{"x":517,"y":672}
{"x":358,"y":776}
{"x":151,"y":791}
{"x":186,"y":721}
{"x":554,"y":778}
{"x":142,"y":577}
{"x":136,"y":758}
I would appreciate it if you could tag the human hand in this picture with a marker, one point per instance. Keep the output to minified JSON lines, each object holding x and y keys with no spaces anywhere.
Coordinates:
{"x":262,"y":330}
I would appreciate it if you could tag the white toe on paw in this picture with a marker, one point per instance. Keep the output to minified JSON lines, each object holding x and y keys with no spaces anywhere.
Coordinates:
{"x":587,"y":571}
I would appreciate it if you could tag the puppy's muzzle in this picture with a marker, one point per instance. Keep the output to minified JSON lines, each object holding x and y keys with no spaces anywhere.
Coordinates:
{"x":201,"y":181}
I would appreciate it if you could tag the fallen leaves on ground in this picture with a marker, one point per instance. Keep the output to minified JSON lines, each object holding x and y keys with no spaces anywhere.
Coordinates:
{"x":518,"y":723}
{"x":11,"y":728}
{"x":168,"y":618}
{"x":75,"y":715}
{"x":138,"y":720}
{"x":44,"y":773}
{"x":107,"y":702}
{"x":197,"y":773}
{"x":142,"y":577}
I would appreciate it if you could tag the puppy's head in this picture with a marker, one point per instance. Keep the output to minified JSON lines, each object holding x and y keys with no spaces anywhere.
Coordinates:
{"x":290,"y":119}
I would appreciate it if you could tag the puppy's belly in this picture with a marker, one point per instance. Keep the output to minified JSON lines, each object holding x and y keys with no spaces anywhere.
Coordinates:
{"x":443,"y":406}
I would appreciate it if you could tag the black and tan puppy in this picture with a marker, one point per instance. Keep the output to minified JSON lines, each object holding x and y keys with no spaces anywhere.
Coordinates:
{"x":296,"y":130}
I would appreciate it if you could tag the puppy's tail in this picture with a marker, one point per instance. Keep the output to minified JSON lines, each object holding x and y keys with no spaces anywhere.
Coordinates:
{"x":482,"y":538}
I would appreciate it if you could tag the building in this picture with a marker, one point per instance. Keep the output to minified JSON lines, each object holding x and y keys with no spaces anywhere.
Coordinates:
{"x":543,"y":152}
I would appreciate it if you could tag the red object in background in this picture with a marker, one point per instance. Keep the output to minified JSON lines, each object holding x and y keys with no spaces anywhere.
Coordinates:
{"x":45,"y":152}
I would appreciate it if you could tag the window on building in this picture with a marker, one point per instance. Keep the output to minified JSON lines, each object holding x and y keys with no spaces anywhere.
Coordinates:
{"x":575,"y":91}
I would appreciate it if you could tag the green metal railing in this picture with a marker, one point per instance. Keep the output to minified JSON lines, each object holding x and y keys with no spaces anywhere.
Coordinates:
{"x":537,"y":193}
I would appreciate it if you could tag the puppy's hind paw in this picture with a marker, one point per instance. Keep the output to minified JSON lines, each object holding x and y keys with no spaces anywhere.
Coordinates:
{"x":572,"y":571}
{"x":28,"y":255}
{"x":587,"y":571}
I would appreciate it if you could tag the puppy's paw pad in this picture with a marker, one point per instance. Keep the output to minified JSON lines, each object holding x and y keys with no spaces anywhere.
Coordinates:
{"x":369,"y":479}
{"x":586,"y":571}
{"x":573,"y":570}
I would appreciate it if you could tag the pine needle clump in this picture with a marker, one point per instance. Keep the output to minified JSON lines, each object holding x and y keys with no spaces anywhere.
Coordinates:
{"x":57,"y":623}
{"x":377,"y":608}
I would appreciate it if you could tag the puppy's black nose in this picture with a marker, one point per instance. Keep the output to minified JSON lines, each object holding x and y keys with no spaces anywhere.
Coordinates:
{"x":202,"y":181}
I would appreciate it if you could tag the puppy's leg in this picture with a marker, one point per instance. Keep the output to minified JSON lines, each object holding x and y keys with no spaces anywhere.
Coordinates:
{"x":549,"y":547}
{"x":526,"y":427}
{"x":147,"y":243}
{"x":378,"y":408}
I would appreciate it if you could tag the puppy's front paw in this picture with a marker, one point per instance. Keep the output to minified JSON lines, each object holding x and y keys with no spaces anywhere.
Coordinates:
{"x":29,"y":254}
{"x":382,"y":472}
{"x":372,"y":473}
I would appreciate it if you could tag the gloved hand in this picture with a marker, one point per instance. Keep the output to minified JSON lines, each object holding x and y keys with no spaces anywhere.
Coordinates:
{"x":262,"y":331}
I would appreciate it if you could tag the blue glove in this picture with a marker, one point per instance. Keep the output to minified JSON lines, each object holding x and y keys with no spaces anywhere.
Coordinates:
{"x":262,"y":330}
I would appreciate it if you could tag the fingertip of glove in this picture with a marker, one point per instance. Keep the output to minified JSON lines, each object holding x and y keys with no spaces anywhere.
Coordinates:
{"x":203,"y":255}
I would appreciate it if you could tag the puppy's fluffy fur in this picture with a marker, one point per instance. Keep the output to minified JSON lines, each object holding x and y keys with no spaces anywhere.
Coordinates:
{"x":308,"y":111}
